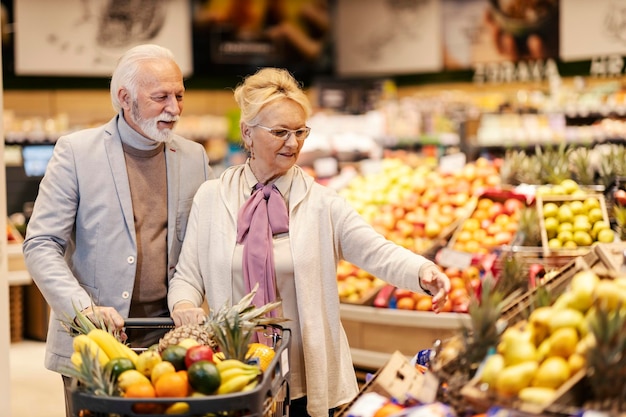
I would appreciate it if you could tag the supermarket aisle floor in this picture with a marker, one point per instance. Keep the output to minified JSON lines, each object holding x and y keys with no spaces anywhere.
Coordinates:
{"x":35,"y":391}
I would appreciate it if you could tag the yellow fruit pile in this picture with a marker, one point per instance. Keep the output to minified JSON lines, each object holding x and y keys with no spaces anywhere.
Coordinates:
{"x":536,"y":357}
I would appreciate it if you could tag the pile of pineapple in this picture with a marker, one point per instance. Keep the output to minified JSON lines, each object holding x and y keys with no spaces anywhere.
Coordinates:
{"x":214,"y":358}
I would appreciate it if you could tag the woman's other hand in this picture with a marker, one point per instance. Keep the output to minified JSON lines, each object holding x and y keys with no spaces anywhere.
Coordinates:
{"x":186,"y":313}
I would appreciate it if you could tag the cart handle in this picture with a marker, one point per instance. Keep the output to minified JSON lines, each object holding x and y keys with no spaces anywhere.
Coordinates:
{"x":149,"y":322}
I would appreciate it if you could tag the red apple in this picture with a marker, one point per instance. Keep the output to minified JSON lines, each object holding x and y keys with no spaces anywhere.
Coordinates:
{"x":512,"y":205}
{"x":197,"y":353}
{"x":620,"y":197}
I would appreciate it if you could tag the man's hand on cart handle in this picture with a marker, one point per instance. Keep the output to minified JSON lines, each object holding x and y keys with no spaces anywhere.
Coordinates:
{"x":186,"y":313}
{"x":435,"y":283}
{"x":111,"y":318}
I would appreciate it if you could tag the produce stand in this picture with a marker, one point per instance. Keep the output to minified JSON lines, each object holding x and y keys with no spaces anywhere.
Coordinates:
{"x":375,"y":333}
{"x":270,"y":398}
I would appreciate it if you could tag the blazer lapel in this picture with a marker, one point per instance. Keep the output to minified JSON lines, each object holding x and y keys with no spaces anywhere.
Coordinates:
{"x":172,"y":162}
{"x":117,"y":162}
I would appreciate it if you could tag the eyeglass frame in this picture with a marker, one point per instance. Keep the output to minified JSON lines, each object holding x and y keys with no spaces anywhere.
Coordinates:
{"x":272,"y":131}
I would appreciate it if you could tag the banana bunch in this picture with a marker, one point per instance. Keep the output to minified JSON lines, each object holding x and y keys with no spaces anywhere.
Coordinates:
{"x":103,"y":345}
{"x":236,"y":376}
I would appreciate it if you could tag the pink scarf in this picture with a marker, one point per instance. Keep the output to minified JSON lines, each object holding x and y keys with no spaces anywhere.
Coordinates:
{"x":261,"y":217}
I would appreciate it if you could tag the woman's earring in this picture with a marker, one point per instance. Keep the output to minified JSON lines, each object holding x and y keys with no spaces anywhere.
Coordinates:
{"x":252,"y":154}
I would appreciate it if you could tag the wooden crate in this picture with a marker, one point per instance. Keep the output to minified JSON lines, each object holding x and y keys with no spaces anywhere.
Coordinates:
{"x":16,"y":307}
{"x":605,"y":257}
{"x":520,"y":307}
{"x":565,"y":253}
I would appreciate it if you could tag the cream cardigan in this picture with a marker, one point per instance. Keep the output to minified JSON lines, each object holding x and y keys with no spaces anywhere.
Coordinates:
{"x":323,"y":229}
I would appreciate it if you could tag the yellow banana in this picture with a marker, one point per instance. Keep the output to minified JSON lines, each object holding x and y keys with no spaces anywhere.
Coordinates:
{"x":233,"y":363}
{"x":235,"y":384}
{"x":252,"y":385}
{"x":111,"y":346}
{"x":235,"y":372}
{"x":82,"y":341}
{"x":130,"y":354}
{"x":76,"y":359}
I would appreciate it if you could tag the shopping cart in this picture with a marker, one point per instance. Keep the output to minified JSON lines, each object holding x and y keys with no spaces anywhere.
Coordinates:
{"x":270,"y":398}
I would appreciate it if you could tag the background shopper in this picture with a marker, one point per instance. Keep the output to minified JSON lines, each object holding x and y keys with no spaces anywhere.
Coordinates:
{"x":267,"y":221}
{"x":111,"y":213}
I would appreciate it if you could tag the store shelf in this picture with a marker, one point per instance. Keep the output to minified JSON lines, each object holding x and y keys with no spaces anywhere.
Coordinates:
{"x":375,"y":333}
{"x":18,"y":275}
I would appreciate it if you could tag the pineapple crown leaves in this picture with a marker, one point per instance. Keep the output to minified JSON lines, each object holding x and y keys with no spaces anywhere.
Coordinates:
{"x":484,"y":309}
{"x":233,"y":326}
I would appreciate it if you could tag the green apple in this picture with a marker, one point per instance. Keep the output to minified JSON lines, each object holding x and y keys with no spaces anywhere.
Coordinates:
{"x":582,"y":238}
{"x":570,"y":244}
{"x":565,"y":226}
{"x":590,"y":203}
{"x":555,"y":243}
{"x":550,"y":209}
{"x":552,"y":225}
{"x":565,"y":236}
{"x":606,"y":236}
{"x":595,"y":214}
{"x":565,"y":214}
{"x":569,"y":185}
{"x":577,"y":207}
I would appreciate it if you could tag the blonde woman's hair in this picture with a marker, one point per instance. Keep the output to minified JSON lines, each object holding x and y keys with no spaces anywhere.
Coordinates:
{"x":266,"y":86}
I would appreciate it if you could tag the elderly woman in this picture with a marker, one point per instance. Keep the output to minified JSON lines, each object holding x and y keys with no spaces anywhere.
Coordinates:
{"x":268,"y":222}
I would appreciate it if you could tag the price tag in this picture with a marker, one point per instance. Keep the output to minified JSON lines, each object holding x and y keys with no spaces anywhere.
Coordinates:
{"x":452,"y":163}
{"x":450,"y":258}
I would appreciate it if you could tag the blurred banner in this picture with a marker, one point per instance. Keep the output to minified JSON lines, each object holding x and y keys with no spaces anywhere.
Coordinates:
{"x":239,"y":36}
{"x":589,"y":32}
{"x":386,"y":37}
{"x":86,"y":37}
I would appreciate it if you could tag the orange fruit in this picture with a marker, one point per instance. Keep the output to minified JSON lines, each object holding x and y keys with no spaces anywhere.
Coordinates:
{"x":142,"y":390}
{"x":172,"y":384}
{"x":424,"y":304}
{"x":263,"y":352}
{"x":388,"y":409}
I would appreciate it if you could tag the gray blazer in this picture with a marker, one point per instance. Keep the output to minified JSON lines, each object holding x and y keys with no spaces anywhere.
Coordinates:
{"x":80,"y":243}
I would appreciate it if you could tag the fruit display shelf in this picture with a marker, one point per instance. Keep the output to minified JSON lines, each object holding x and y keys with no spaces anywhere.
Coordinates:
{"x":375,"y":333}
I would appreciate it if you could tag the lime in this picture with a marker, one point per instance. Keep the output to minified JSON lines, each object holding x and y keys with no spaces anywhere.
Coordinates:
{"x":175,"y":354}
{"x":204,"y":377}
{"x":116,"y":366}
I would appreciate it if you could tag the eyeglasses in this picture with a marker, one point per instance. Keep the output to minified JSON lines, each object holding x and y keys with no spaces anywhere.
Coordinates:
{"x":284,"y":134}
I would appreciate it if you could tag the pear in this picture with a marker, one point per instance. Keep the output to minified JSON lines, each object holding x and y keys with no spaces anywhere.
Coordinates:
{"x":537,"y":395}
{"x":563,"y":342}
{"x":582,"y":289}
{"x":514,"y":378}
{"x":608,"y":293}
{"x":552,"y":373}
{"x":494,"y":364}
{"x":520,"y":351}
{"x":566,"y":317}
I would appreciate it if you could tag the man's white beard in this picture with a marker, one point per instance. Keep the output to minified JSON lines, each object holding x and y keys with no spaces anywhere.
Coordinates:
{"x":150,"y":126}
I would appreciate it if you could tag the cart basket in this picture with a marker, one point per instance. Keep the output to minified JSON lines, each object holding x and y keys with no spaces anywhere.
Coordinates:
{"x":270,"y":398}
